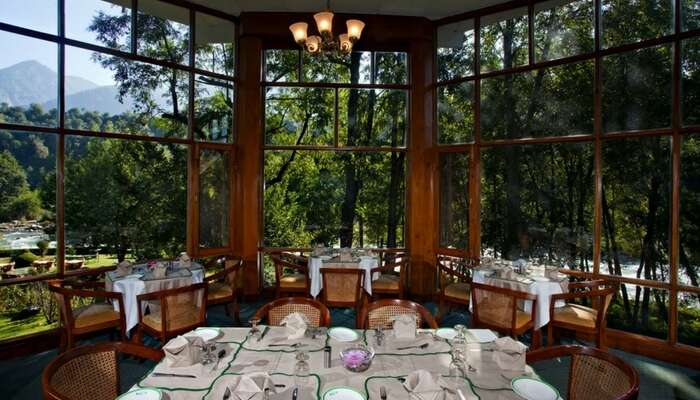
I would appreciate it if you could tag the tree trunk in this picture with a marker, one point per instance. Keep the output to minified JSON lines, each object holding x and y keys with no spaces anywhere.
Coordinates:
{"x":615,"y":269}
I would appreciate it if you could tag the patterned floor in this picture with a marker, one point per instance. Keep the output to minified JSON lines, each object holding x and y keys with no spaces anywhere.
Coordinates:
{"x":21,"y":378}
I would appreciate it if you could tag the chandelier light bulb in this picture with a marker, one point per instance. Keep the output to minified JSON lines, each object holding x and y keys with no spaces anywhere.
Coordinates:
{"x":355,"y":27}
{"x":324,"y":21}
{"x":313,"y":44}
{"x":345,"y":43}
{"x":299,"y":31}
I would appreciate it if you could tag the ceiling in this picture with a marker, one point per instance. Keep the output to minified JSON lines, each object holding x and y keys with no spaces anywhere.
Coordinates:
{"x":432,"y":9}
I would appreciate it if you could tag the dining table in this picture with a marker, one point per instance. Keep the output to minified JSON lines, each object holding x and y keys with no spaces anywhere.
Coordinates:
{"x":142,"y":280}
{"x":533,"y":280}
{"x":239,"y":354}
{"x":316,"y":263}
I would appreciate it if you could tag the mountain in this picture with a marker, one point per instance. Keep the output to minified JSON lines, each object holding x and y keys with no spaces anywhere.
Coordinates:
{"x":102,"y":99}
{"x":30,"y":82}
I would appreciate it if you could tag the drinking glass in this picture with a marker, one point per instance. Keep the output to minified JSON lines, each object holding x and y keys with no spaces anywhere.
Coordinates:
{"x":254,"y":331}
{"x":301,"y":371}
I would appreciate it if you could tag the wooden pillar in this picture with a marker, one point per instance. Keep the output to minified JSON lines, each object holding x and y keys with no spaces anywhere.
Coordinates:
{"x":422,"y":229}
{"x":248,"y":171}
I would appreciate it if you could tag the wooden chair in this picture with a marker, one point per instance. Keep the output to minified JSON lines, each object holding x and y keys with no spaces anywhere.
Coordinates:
{"x":593,"y":373}
{"x":177,"y":311}
{"x":497,"y":308}
{"x":380,"y":314}
{"x":91,"y":372}
{"x":222,"y":288}
{"x":290,"y":277}
{"x":392,"y":278}
{"x":294,"y":258}
{"x":454,"y":277}
{"x":342,"y":287}
{"x":275,"y":311}
{"x":89,"y":318}
{"x":590,"y":320}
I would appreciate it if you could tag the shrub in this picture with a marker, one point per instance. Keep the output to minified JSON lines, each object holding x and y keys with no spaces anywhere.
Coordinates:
{"x":43,"y":246}
{"x":25,"y":259}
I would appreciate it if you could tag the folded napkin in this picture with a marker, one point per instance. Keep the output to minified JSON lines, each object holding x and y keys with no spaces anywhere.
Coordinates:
{"x":405,"y":326}
{"x":509,"y":354}
{"x":245,"y":386}
{"x":123,"y":268}
{"x":295,"y":325}
{"x":507,"y":273}
{"x":183,"y":351}
{"x":160,"y":270}
{"x":184,"y":260}
{"x":422,"y":381}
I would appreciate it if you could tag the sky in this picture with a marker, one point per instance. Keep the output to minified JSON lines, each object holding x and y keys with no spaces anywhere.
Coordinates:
{"x":41,"y":15}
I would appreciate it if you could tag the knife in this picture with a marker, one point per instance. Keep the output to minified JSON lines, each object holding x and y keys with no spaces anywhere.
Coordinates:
{"x":295,"y":393}
{"x":173,"y":375}
{"x":262,"y":335}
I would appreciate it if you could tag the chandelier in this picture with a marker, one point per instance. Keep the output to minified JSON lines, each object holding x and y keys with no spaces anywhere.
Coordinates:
{"x":326,"y":42}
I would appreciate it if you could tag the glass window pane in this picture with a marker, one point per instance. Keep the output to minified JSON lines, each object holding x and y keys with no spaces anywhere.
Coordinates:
{"x":214,"y":48}
{"x":214,"y":198}
{"x":124,"y":96}
{"x":125,"y":199}
{"x":689,"y":319}
{"x":454,"y":200}
{"x":281,"y":65}
{"x":28,"y":207}
{"x":26,"y":309}
{"x":690,"y":14}
{"x":372,"y":117}
{"x":299,"y":116}
{"x":104,"y":23}
{"x":39,"y":15}
{"x":537,"y":204}
{"x":504,"y":40}
{"x":163,"y":31}
{"x":456,"y":113}
{"x":563,"y":29}
{"x":390,"y":68}
{"x":213,"y":109}
{"x":29,"y":81}
{"x":637,"y":89}
{"x":641,"y":310}
{"x":555,"y":101}
{"x":629,"y":21}
{"x":353,"y":68}
{"x":334,"y":198}
{"x":690,"y":81}
{"x":455,"y":50}
{"x":689,"y":252}
{"x":635,"y":207}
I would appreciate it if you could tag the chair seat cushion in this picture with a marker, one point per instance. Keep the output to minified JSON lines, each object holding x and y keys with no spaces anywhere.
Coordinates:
{"x":218,"y":291}
{"x":94,"y":314}
{"x":496,"y":314}
{"x":296,"y":281}
{"x":181,"y":316}
{"x":575,"y":314}
{"x":459,"y":290}
{"x":386,"y":282}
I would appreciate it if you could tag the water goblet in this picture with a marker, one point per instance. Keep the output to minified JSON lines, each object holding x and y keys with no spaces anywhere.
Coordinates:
{"x":301,"y":371}
{"x":254,"y":331}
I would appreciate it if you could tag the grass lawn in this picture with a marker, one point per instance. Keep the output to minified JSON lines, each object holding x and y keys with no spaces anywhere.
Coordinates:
{"x":12,"y":329}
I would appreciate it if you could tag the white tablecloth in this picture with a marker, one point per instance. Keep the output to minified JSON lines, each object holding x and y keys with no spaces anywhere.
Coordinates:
{"x":540,"y":287}
{"x":366,"y":263}
{"x":132,"y":287}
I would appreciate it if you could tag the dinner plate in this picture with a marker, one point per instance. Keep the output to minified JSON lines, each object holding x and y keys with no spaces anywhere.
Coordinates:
{"x":483,"y":335}
{"x":540,"y":278}
{"x":343,"y":334}
{"x":142,"y":394}
{"x":133,"y":276}
{"x":533,"y":389}
{"x":325,"y":258}
{"x":343,"y":393}
{"x":207,"y":334}
{"x":446,"y":333}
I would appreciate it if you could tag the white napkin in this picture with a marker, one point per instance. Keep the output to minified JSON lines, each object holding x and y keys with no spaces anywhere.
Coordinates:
{"x":159,"y":271}
{"x":507,"y":273}
{"x":405,"y":326}
{"x":184,"y":260}
{"x":295,"y":325}
{"x":245,"y":386}
{"x":422,"y":381}
{"x":509,"y":354}
{"x":183,"y":351}
{"x":124,"y":268}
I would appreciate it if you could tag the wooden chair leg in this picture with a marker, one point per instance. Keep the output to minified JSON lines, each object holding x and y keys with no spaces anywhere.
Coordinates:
{"x":138,"y":336}
{"x":536,"y":338}
{"x":63,"y":343}
{"x":550,"y":334}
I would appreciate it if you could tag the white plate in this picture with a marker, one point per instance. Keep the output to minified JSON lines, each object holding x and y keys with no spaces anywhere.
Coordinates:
{"x":142,"y":394}
{"x":325,"y":258}
{"x":342,"y":393}
{"x":446,"y":333}
{"x":133,"y":276}
{"x":343,"y":334}
{"x":483,"y":335}
{"x":540,"y":278}
{"x":207,"y":334}
{"x":533,"y":389}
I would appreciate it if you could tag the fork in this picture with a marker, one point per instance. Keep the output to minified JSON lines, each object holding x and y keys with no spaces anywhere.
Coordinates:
{"x":293,"y":345}
{"x":423,"y":346}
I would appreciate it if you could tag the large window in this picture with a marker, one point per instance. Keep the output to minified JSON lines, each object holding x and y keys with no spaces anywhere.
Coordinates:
{"x":335,"y":161}
{"x":128,"y":138}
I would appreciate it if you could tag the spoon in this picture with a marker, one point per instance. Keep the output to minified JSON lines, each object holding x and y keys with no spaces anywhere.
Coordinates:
{"x":423,"y":346}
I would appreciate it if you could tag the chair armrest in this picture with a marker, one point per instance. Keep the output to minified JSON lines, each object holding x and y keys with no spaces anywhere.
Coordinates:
{"x":579,"y":295}
{"x":451,"y":272}
{"x":217,"y":276}
{"x":587,"y":284}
